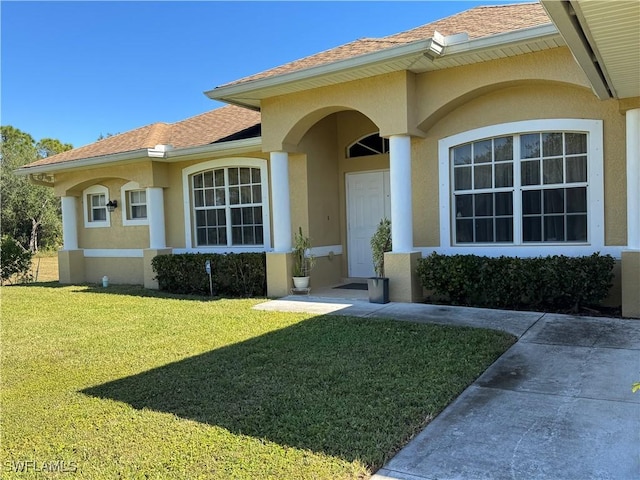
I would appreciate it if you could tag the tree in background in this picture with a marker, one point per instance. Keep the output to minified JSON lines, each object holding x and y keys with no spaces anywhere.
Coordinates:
{"x":30,"y":213}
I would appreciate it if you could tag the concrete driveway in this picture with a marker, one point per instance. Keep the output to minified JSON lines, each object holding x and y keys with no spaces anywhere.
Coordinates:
{"x":556,"y":405}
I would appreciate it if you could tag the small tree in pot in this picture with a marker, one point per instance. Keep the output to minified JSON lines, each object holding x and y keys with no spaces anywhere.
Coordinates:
{"x":303,"y":261}
{"x":380,"y":243}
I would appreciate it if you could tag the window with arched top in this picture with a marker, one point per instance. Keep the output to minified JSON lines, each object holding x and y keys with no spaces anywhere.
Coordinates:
{"x":227,"y":205}
{"x":372,"y":144}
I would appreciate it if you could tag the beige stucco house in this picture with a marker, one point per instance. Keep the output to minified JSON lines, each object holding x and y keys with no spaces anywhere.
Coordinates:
{"x":503,"y":130}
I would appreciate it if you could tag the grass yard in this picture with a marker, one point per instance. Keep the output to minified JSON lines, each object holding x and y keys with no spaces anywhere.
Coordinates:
{"x":127,"y":383}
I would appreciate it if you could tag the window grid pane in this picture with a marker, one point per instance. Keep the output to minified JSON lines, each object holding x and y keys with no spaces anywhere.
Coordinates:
{"x":98,"y":212}
{"x":232,"y":206}
{"x":552,"y":188}
{"x":137,"y":204}
{"x":484,"y":166}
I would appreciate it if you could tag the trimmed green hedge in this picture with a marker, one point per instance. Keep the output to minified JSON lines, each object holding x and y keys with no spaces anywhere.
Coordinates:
{"x":543,"y":283}
{"x":233,"y":274}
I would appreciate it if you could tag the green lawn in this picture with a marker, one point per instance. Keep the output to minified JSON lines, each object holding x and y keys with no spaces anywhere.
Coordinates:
{"x":125,"y":383}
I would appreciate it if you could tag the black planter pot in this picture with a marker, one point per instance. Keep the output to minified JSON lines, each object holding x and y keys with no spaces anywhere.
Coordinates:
{"x":378,"y":289}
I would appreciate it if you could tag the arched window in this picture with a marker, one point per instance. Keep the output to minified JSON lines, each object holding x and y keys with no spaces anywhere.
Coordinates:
{"x":526,"y":184}
{"x":372,"y":144}
{"x":228,"y":204}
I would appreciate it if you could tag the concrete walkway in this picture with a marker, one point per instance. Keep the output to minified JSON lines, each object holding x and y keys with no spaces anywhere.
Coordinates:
{"x":556,"y":405}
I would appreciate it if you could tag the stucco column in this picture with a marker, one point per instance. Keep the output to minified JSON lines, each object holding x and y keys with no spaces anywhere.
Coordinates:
{"x":400,"y":184}
{"x":70,"y":258}
{"x":155,"y":214}
{"x":281,"y":207}
{"x":630,"y":270}
{"x":400,"y":264}
{"x":69,"y":223}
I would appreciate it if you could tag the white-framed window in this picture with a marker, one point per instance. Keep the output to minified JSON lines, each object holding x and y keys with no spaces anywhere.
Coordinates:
{"x":226,"y":205}
{"x":137,"y":206}
{"x":134,"y":204}
{"x":95,"y":200}
{"x":523,"y":185}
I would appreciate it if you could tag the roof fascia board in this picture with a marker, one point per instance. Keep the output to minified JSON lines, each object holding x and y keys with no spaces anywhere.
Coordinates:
{"x":226,"y":93}
{"x":573,"y":35}
{"x":172,"y":155}
{"x":502,"y":40}
{"x":140,"y":154}
{"x":230,"y":148}
{"x":393,"y":53}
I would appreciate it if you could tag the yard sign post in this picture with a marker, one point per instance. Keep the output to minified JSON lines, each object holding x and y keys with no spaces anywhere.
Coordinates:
{"x":207,"y":267}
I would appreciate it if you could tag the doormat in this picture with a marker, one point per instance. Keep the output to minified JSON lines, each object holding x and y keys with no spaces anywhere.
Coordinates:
{"x":353,"y":286}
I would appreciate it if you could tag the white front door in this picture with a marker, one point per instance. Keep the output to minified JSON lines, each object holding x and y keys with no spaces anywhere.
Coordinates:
{"x":368,"y":201}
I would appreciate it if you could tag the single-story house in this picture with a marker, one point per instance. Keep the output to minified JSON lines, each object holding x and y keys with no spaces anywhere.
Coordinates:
{"x":501,"y":130}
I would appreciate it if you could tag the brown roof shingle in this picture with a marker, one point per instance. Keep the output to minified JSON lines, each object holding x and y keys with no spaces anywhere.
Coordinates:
{"x":202,"y":129}
{"x":223,"y":122}
{"x":476,"y":22}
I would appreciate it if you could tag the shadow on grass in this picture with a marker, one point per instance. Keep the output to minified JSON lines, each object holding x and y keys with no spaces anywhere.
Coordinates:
{"x":48,"y":284}
{"x":140,"y":291}
{"x":128,"y":290}
{"x":351,"y":388}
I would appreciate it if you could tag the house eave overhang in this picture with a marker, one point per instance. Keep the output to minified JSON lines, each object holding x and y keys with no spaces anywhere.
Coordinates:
{"x":416,"y":57}
{"x":157,"y":154}
{"x":562,"y":15}
{"x":603,"y":37}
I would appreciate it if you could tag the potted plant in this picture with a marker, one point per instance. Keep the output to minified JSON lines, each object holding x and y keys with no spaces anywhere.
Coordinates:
{"x":303,"y":261}
{"x":380,"y":243}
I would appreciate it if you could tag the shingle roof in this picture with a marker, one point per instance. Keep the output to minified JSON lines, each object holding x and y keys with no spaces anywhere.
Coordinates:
{"x":224,"y":122}
{"x":476,"y":22}
{"x":202,"y":129}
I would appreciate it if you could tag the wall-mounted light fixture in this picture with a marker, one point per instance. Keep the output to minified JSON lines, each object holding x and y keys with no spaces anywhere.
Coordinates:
{"x":112,"y":205}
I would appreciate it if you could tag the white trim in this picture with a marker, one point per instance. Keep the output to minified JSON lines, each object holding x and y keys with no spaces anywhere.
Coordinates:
{"x":595,"y":159}
{"x":525,"y":251}
{"x":124,"y":201}
{"x":224,"y":163}
{"x":113,"y":252}
{"x":325,"y":251}
{"x":222,"y":250}
{"x":95,"y":190}
{"x":233,"y":147}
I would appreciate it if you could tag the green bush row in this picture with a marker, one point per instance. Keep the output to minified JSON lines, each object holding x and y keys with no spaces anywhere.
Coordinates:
{"x":233,"y":274}
{"x":544,"y":283}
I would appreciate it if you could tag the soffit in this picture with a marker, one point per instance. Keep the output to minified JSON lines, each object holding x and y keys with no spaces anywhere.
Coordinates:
{"x":613,"y":31}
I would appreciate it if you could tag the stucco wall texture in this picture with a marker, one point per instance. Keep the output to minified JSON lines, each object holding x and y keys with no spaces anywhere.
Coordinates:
{"x":317,"y":126}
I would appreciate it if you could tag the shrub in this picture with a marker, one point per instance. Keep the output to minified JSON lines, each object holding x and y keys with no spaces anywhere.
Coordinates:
{"x":233,"y":274}
{"x":548,"y":283}
{"x":15,"y":261}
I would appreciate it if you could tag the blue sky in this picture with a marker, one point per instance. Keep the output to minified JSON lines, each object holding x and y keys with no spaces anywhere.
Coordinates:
{"x":76,"y":70}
